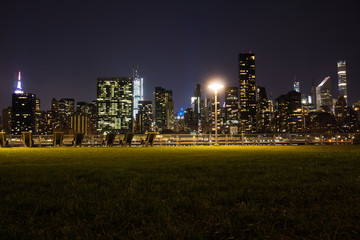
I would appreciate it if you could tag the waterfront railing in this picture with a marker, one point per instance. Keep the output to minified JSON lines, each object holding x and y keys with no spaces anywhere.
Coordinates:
{"x":182,"y":140}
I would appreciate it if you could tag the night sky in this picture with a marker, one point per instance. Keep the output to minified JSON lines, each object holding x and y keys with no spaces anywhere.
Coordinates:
{"x":61,"y":47}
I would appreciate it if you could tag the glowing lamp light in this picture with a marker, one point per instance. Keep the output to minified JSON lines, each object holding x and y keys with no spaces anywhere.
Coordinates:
{"x":216,"y":86}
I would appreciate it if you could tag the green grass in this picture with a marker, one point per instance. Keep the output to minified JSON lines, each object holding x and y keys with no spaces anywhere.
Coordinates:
{"x":255,"y":192}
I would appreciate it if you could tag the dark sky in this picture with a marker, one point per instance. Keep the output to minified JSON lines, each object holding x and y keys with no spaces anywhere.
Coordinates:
{"x":61,"y":47}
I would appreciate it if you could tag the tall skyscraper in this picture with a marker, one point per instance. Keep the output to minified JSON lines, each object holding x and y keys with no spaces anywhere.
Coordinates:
{"x":145,"y":116}
{"x":263,"y":112}
{"x":323,"y":95}
{"x":67,"y":106}
{"x":342,"y":84}
{"x":38,"y":117}
{"x":163,"y":109}
{"x":54,"y":118}
{"x":247,"y":90}
{"x":66,"y":111}
{"x":313,"y":94}
{"x":231,"y":106}
{"x":23,"y":110}
{"x":219,"y":111}
{"x":138,"y":90}
{"x":296,"y":85}
{"x":197,"y":106}
{"x":6,"y":119}
{"x":197,"y":102}
{"x":115,"y":104}
{"x":289,"y":114}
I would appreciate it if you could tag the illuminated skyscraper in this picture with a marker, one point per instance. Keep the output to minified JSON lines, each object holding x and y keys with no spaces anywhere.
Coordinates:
{"x":23,"y":113}
{"x":6,"y":119}
{"x":296,"y":86}
{"x":138,"y":91}
{"x":247,"y":90}
{"x":289,"y":115}
{"x":163,"y":109}
{"x":66,"y":111}
{"x":231,"y":106}
{"x":197,"y":101}
{"x":342,"y":85}
{"x":323,"y":95}
{"x":218,"y":113}
{"x":38,"y":117}
{"x":263,"y":111}
{"x":145,"y":116}
{"x":67,"y":106}
{"x":23,"y":110}
{"x":197,"y":106}
{"x":115,"y":104}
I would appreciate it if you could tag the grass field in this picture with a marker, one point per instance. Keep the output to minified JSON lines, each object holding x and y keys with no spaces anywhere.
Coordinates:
{"x":254,"y":192}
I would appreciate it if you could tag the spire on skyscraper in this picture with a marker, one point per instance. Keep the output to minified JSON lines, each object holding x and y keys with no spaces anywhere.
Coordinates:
{"x":18,"y":89}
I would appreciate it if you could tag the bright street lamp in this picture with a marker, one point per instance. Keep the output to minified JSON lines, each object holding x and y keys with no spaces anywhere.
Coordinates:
{"x":216,"y":87}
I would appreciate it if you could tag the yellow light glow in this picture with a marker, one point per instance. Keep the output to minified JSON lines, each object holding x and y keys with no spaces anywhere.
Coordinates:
{"x":216,"y":86}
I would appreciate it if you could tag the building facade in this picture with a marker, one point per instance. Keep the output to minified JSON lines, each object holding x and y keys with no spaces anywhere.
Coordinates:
{"x":23,"y":113}
{"x":144,"y":117}
{"x":89,"y":110}
{"x":323,"y":95}
{"x":247,"y":91}
{"x":289,"y":114}
{"x":163,"y":109}
{"x":263,"y":111}
{"x":6,"y":120}
{"x":231,"y":107}
{"x":114,"y":104}
{"x":296,"y":86}
{"x":138,"y":91}
{"x":66,"y":107}
{"x":342,"y":82}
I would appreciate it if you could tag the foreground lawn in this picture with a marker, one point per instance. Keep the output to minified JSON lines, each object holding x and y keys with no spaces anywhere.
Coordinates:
{"x":255,"y":192}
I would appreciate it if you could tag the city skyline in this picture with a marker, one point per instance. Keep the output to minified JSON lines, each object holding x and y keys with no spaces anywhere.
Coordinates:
{"x":179,"y":46}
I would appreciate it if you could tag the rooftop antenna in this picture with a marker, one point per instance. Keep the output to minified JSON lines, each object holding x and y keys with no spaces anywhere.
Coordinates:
{"x":18,"y":89}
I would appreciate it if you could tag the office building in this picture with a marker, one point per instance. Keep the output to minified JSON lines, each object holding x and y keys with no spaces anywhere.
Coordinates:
{"x":323,"y":95}
{"x":39,"y":120}
{"x":198,"y":106}
{"x":342,"y":82}
{"x":138,"y":90}
{"x":346,"y":117}
{"x":190,"y":124}
{"x":219,"y":111}
{"x":163,"y":109}
{"x":296,"y":86}
{"x":231,"y":107}
{"x":6,"y":120}
{"x":144,"y":117}
{"x":114,"y":104}
{"x":263,"y":112}
{"x":23,"y":113}
{"x":23,"y":110}
{"x":247,"y":91}
{"x":66,"y":107}
{"x":289,"y":114}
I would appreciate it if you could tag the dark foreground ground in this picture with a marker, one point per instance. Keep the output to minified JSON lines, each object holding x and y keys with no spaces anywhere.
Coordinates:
{"x":255,"y":192}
